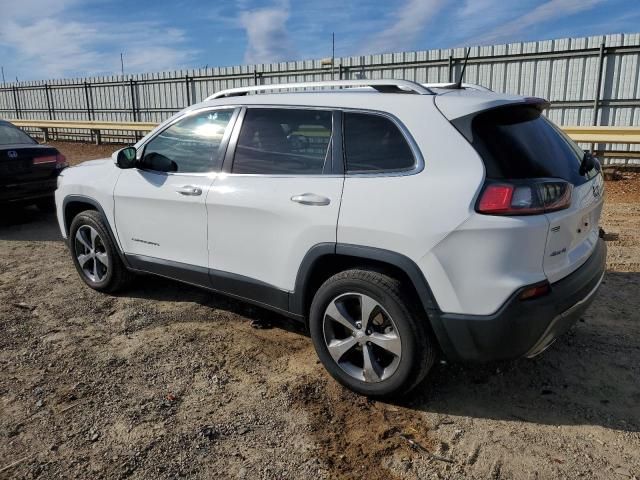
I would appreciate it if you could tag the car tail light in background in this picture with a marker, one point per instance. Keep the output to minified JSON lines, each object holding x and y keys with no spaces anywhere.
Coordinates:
{"x":61,"y":161}
{"x":524,"y":197}
{"x":43,"y":160}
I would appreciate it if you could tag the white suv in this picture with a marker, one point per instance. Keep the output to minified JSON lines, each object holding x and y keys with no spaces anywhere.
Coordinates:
{"x":399,"y":221}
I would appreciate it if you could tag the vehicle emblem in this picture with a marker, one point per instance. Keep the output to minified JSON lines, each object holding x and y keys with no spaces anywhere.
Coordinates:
{"x":12,"y":154}
{"x":596,"y":191}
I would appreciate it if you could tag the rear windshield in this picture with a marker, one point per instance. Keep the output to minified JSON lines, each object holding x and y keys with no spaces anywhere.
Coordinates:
{"x":519,"y":142}
{"x":10,"y":135}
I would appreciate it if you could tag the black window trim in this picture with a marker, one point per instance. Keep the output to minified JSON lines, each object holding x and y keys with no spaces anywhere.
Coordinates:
{"x":224,"y":144}
{"x":333,"y":168}
{"x":338,"y":168}
{"x":418,"y":164}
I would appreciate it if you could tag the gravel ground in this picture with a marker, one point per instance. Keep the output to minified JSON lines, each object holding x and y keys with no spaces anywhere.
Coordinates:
{"x":168,"y":381}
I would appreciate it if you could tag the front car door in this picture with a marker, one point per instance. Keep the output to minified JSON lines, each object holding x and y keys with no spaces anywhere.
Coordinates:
{"x":279,"y":197}
{"x":160,"y":211}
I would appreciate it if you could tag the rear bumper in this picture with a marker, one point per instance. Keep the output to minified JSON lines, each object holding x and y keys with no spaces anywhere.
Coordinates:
{"x":523,"y":328}
{"x":27,"y":191}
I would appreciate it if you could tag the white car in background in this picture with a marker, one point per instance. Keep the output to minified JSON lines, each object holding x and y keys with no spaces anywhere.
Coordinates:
{"x":398,"y":221}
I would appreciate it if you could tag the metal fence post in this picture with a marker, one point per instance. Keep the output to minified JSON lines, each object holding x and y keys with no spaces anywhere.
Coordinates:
{"x":450,"y":68}
{"x":596,"y":101}
{"x":46,"y":92}
{"x":15,"y":101}
{"x":186,"y":84}
{"x":255,"y":76}
{"x":87,"y":99}
{"x":133,"y":100}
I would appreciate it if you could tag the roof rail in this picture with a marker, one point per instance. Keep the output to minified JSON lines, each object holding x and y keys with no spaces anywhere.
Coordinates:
{"x":382,"y":86}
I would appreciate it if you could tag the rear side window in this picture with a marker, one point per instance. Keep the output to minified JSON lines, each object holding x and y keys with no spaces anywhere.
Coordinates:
{"x":10,"y":135}
{"x":519,"y":142}
{"x":283,"y":141}
{"x":373,"y":143}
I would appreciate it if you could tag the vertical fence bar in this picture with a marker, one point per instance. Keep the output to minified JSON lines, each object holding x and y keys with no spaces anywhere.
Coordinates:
{"x":596,"y":100}
{"x":15,"y":101}
{"x":186,"y":84}
{"x":255,"y":76}
{"x":87,"y":94}
{"x":450,"y":68}
{"x":46,"y":93}
{"x":133,"y":100}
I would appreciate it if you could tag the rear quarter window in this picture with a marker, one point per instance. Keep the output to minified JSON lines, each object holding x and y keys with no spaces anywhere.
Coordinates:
{"x":373,"y":143}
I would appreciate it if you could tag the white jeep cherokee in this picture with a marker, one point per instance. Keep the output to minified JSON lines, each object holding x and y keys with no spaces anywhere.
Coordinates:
{"x":397,"y":220}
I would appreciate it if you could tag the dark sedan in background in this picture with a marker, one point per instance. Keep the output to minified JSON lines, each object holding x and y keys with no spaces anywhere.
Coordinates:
{"x":28,"y":171}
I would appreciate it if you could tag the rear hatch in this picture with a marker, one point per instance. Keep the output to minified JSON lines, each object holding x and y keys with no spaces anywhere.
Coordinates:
{"x":520,"y":145}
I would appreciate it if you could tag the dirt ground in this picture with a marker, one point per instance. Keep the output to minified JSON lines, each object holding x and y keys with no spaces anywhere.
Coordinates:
{"x":168,"y":381}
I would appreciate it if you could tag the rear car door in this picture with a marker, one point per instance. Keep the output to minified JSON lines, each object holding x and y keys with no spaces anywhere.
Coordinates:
{"x":279,"y":197}
{"x":160,"y":210}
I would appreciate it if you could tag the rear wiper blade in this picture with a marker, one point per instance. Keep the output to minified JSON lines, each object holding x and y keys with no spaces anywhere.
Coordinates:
{"x":588,"y":163}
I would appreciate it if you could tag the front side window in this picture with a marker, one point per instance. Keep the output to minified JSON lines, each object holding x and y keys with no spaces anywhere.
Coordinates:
{"x":374,"y":143}
{"x":283,"y":141}
{"x":191,"y":145}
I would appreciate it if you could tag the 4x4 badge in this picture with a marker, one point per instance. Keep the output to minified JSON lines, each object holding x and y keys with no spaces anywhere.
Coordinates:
{"x":12,"y":154}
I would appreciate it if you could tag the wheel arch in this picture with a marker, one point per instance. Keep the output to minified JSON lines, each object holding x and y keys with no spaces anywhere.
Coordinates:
{"x":326,"y":259}
{"x":72,"y":205}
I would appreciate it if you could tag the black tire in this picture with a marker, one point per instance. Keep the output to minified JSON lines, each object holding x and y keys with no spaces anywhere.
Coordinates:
{"x":116,"y":275}
{"x":46,"y":205}
{"x":418,"y":347}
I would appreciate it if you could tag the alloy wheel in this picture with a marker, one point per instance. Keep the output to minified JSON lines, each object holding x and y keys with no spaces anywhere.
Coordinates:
{"x":361,"y":337}
{"x":91,"y":253}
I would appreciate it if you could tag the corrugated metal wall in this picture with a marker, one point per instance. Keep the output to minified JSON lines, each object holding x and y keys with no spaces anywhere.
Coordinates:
{"x":565,"y":71}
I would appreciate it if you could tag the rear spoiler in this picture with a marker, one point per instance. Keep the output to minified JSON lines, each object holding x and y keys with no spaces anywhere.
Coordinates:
{"x":462,"y":122}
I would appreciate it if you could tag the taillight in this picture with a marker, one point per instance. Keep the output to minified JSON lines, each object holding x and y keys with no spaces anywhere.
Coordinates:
{"x":43,"y":160}
{"x":524,"y":197}
{"x":61,"y":161}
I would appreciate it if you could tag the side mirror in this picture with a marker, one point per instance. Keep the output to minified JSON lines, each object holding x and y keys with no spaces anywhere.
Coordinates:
{"x":125,"y":157}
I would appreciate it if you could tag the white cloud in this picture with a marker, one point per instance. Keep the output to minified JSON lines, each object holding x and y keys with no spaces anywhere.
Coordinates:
{"x":59,"y":45}
{"x":410,"y":21}
{"x":550,"y":10}
{"x":267,"y":36}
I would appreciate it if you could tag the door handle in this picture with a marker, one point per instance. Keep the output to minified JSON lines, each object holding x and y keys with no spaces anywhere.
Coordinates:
{"x":189,"y":190}
{"x":311,"y":199}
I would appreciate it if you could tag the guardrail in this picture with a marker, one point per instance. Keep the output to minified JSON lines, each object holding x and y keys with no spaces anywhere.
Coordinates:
{"x":594,"y":135}
{"x":94,"y":127}
{"x":619,"y":135}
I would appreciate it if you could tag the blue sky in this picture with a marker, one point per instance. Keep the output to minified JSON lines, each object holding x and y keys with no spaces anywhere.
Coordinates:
{"x":41,"y":39}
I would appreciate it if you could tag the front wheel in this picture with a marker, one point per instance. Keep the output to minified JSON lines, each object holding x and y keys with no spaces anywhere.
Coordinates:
{"x":94,"y":254}
{"x":368,"y":336}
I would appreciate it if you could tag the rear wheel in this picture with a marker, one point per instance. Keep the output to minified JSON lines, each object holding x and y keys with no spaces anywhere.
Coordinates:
{"x":367,"y":336}
{"x":94,"y":254}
